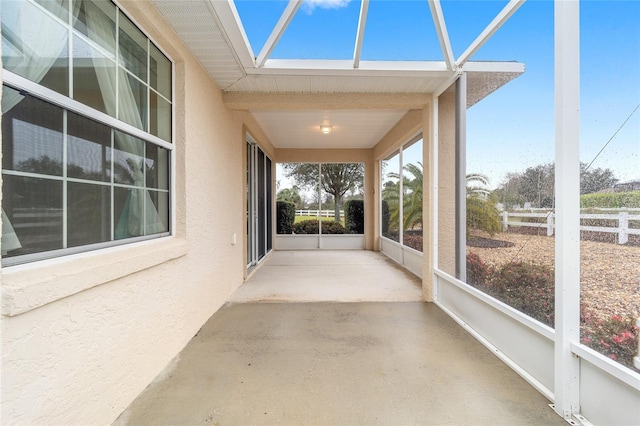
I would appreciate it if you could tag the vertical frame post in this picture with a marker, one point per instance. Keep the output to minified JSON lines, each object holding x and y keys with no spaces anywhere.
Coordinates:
{"x":461,"y":177}
{"x":428,"y":237}
{"x":434,"y":207}
{"x":567,"y":199}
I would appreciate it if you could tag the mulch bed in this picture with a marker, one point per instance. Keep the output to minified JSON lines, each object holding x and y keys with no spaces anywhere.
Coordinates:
{"x":482,"y":242}
{"x":609,"y":273}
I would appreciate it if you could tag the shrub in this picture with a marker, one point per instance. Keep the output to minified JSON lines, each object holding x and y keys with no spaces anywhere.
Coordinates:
{"x":306,"y":227}
{"x":528,"y":287}
{"x":477,"y":271}
{"x":483,"y":215}
{"x":285,"y":217}
{"x":629,"y":199}
{"x":333,"y":227}
{"x":413,"y":239}
{"x":311,"y":227}
{"x":354,"y":216}
{"x":615,"y":337}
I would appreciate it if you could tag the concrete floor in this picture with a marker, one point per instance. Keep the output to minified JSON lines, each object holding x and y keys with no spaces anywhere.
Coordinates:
{"x":332,"y":363}
{"x":329,"y":276}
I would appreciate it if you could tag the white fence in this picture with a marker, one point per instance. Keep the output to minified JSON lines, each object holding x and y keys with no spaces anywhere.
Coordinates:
{"x":314,"y":213}
{"x":548,"y":223}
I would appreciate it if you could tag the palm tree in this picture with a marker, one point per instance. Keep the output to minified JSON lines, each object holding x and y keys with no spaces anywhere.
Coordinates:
{"x":411,"y":197}
{"x":476,"y":184}
{"x":482,"y":213}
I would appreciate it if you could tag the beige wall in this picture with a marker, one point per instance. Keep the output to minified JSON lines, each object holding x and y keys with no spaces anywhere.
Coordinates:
{"x":446,"y":184}
{"x":83,"y":335}
{"x":408,"y":126}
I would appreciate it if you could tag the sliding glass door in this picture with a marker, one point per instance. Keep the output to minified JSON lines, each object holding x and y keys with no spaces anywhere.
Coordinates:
{"x":259,"y":200}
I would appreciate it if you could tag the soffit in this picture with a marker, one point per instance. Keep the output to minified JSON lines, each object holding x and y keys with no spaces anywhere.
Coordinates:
{"x":350,"y":128}
{"x":196,"y":23}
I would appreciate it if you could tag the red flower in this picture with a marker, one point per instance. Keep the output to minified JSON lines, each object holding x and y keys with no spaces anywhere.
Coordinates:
{"x":613,"y":357}
{"x":627,"y":335}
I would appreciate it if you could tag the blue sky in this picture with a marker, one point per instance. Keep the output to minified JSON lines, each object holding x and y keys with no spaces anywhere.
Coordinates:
{"x":513,"y":128}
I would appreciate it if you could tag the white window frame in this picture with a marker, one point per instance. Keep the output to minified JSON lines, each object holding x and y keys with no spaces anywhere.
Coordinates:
{"x":45,"y":94}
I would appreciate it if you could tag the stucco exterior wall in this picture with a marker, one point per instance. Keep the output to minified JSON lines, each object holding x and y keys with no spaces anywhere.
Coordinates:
{"x":446,"y":184}
{"x":408,"y":126}
{"x":83,"y":335}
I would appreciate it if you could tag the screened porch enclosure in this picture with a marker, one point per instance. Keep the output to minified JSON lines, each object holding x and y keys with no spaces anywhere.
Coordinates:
{"x":500,"y":284}
{"x":177,"y":175}
{"x":320,"y":206}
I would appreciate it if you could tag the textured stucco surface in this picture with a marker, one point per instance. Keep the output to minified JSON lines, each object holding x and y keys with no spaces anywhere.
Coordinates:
{"x":446,"y":184}
{"x":81,"y":358}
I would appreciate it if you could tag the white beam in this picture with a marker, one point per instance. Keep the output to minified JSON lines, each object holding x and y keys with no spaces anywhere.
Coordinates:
{"x":390,"y":68}
{"x":328,"y":67}
{"x":441,"y":29}
{"x":360,"y":34}
{"x":428,"y":162}
{"x":497,"y":22}
{"x":434,"y":136}
{"x":278,"y":30}
{"x":567,"y":199}
{"x":461,"y":173}
{"x":228,"y":20}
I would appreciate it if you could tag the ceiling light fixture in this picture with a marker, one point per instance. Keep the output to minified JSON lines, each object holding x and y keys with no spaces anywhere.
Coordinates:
{"x":326,"y":129}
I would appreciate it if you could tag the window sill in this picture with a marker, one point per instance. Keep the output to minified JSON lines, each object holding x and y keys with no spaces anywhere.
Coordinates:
{"x":27,"y":287}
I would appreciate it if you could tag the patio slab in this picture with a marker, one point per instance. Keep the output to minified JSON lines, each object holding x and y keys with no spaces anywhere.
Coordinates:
{"x":329,"y":276}
{"x":337,"y":364}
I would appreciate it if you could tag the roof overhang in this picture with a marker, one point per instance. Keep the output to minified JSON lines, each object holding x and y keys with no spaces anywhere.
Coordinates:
{"x":212,"y":30}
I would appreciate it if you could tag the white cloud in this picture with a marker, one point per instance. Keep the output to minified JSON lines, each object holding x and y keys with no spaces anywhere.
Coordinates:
{"x":310,"y":5}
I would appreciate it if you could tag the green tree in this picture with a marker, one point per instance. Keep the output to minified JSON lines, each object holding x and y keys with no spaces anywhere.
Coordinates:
{"x":291,"y":195}
{"x":595,"y":180}
{"x":391,"y":211}
{"x":337,"y":179}
{"x":535,"y":185}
